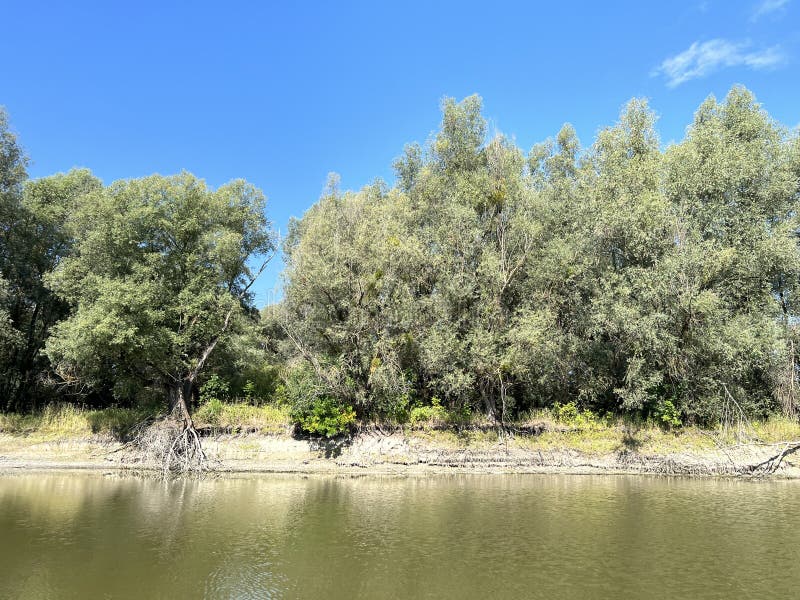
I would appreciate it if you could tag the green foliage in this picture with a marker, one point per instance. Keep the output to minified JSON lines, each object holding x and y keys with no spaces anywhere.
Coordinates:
{"x":158,"y":277}
{"x":215,"y":388}
{"x":609,"y":277}
{"x":432,"y":415}
{"x":33,"y":242}
{"x":325,"y":417}
{"x":668,"y":415}
{"x":567,"y":413}
{"x":297,"y":386}
{"x":570,"y":414}
{"x":619,"y":277}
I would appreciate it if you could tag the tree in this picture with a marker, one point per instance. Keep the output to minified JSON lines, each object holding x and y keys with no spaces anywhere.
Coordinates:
{"x":734,"y":183}
{"x":12,"y":176}
{"x":622,"y":276}
{"x":159,"y":276}
{"x":347,"y":261}
{"x":34,"y":241}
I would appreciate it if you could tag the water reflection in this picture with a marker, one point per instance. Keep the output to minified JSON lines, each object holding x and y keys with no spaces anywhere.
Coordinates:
{"x":94,"y":536}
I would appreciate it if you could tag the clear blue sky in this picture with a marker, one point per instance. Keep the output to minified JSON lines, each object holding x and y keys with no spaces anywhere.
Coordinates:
{"x":283,"y":93}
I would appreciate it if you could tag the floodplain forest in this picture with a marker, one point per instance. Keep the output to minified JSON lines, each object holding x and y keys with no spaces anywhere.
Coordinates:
{"x":626,"y":277}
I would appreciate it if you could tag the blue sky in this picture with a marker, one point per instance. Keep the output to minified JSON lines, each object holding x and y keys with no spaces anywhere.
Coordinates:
{"x":281,"y":94}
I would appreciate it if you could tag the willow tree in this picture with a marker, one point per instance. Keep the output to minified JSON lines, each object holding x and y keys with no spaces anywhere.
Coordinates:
{"x":12,"y":175}
{"x":33,"y":241}
{"x":349,"y":261}
{"x":159,"y":275}
{"x":735,"y":184}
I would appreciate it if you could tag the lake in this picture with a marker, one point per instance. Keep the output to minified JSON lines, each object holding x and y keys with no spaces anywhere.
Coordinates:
{"x":92,"y":535}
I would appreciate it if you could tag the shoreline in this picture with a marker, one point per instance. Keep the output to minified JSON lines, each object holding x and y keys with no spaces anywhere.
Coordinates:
{"x":395,"y":453}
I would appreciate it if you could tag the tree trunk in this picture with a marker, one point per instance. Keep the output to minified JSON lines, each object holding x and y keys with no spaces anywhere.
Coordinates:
{"x":488,"y":398}
{"x":178,"y":408}
{"x":788,"y":399}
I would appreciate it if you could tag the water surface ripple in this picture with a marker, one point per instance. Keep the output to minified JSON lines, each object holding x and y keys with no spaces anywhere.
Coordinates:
{"x":80,"y":535}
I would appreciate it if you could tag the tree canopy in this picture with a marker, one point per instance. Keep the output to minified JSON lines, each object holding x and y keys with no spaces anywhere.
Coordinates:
{"x":624,"y":276}
{"x":158,"y":273}
{"x":620,"y":276}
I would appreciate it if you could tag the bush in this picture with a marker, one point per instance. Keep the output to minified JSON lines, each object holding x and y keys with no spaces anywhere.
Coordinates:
{"x":215,"y":388}
{"x":428,"y":415}
{"x":398,"y":411}
{"x":668,"y":415}
{"x":298,"y":384}
{"x":567,"y":413}
{"x":324,"y":416}
{"x":570,"y":414}
{"x":249,"y":390}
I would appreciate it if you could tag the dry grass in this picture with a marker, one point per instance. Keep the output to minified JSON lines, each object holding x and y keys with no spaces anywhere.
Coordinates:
{"x":244,"y":417}
{"x":68,"y":421}
{"x":63,"y":421}
{"x":591,"y":435}
{"x":587,"y":434}
{"x":777,"y":429}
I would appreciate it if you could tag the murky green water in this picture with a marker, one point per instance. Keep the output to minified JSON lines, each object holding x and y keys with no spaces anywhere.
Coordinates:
{"x":561,"y":537}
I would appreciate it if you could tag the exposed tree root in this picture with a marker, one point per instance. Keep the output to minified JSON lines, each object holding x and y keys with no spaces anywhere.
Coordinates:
{"x":172,"y":443}
{"x":773,"y":463}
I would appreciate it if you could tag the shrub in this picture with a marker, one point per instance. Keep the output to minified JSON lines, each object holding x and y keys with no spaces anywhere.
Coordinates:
{"x":570,"y":414}
{"x":249,"y":390}
{"x":324,"y":416}
{"x":215,"y":388}
{"x":668,"y":415}
{"x":398,"y":411}
{"x":428,"y":415}
{"x":567,"y":413}
{"x":298,"y":384}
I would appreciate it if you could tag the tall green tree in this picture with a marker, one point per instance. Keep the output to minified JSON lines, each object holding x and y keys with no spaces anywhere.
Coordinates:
{"x":159,"y":275}
{"x":12,"y":176}
{"x":734,"y":183}
{"x":620,"y":276}
{"x":34,"y":241}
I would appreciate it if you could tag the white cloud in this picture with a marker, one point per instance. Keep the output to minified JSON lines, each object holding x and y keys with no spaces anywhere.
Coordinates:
{"x":766,"y":7}
{"x":704,"y":58}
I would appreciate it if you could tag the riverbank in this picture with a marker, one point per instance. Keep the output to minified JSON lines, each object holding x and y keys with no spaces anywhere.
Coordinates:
{"x":269,"y":445}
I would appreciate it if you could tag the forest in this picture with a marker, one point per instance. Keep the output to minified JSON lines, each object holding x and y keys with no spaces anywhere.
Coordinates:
{"x":624,"y":277}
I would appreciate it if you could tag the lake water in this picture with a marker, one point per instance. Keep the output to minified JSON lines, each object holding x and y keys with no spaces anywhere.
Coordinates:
{"x":471,"y":536}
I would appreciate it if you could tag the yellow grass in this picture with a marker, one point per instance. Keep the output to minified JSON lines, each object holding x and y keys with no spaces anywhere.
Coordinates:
{"x":68,"y":421}
{"x":587,"y":434}
{"x":244,"y":417}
